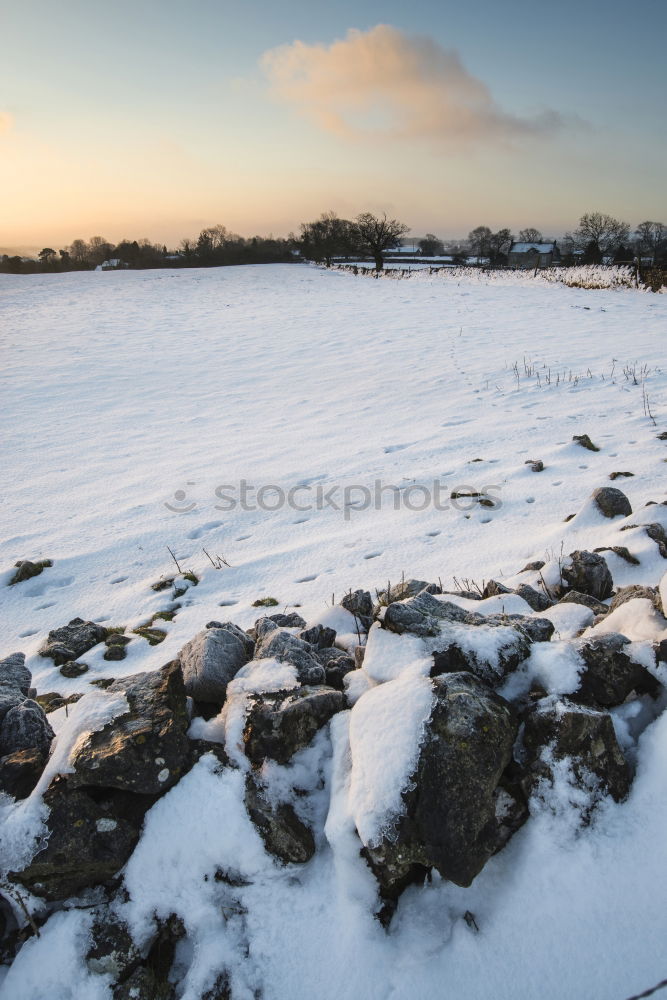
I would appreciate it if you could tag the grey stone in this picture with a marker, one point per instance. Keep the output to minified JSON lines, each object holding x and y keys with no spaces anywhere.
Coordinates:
{"x":585,"y":442}
{"x":610,"y":675}
{"x":20,"y":771}
{"x":74,"y":669}
{"x":112,"y":951}
{"x":632,"y":592}
{"x":585,"y":737}
{"x":14,"y":673}
{"x":448,"y":820}
{"x":575,"y":597}
{"x":588,"y":573}
{"x":280,"y":723}
{"x":72,"y":640}
{"x":284,"y":835}
{"x":536,"y":599}
{"x":612,"y":502}
{"x":25,"y":727}
{"x":292,"y":620}
{"x":146,"y":749}
{"x":285,"y":647}
{"x":212,"y":659}
{"x":319,"y":636}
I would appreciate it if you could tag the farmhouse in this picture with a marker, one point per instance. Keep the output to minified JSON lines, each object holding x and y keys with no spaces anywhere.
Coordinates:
{"x":534,"y":254}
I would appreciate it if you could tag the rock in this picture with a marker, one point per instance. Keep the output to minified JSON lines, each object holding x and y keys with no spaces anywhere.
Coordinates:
{"x":422,"y":615}
{"x":631,"y":593}
{"x":620,"y":550}
{"x":534,"y":629}
{"x":656,"y":533}
{"x":285,"y":836}
{"x":146,"y":750}
{"x":575,"y":597}
{"x":585,"y":442}
{"x":536,"y":465}
{"x":293,"y":620}
{"x":89,"y":840}
{"x":73,"y":640}
{"x":489,"y":652}
{"x":115,"y":653}
{"x":20,"y":771}
{"x":212,"y":659}
{"x":448,"y":821}
{"x":153,"y":636}
{"x":220,"y":990}
{"x":25,"y":727}
{"x":51,"y":700}
{"x":116,"y":643}
{"x":25,"y":570}
{"x":611,"y":502}
{"x":143,"y":984}
{"x":337,"y":664}
{"x":620,"y":475}
{"x":279,"y":724}
{"x":536,"y":599}
{"x":610,"y":675}
{"x":588,"y":573}
{"x":495,"y":589}
{"x":407,"y":588}
{"x":14,"y":673}
{"x":285,"y":647}
{"x":73,"y":669}
{"x":112,"y":951}
{"x":585,"y":736}
{"x":319,"y":636}
{"x":360,"y":604}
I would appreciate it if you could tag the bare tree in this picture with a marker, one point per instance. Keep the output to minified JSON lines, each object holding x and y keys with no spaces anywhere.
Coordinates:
{"x":498,"y":242}
{"x":326,"y":238}
{"x":604,"y":231}
{"x":431,"y":246}
{"x":375,"y":235}
{"x":651,"y":237}
{"x":530,"y":236}
{"x":479,"y":241}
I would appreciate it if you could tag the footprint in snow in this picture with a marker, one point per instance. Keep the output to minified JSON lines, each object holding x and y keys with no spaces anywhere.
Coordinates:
{"x":306,"y":579}
{"x":433,"y":534}
{"x":32,"y":631}
{"x":43,"y":607}
{"x":227,"y":604}
{"x":198,"y":532}
{"x":242,"y":538}
{"x":301,"y":520}
{"x":583,"y":466}
{"x":559,"y":482}
{"x":530,"y":499}
{"x":372,"y":555}
{"x":40,"y":589}
{"x":396,"y":447}
{"x":119,"y":579}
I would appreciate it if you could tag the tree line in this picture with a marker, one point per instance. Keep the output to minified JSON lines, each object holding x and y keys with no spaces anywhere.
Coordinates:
{"x":598,"y":238}
{"x":213,"y":247}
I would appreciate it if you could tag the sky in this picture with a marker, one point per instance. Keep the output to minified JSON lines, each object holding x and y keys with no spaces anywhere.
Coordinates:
{"x":156,"y":118}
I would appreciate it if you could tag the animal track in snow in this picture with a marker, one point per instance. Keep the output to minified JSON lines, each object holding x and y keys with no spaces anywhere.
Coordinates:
{"x":32,"y":631}
{"x":119,"y":579}
{"x":372,"y":555}
{"x":306,"y":579}
{"x":396,"y":447}
{"x":198,"y":532}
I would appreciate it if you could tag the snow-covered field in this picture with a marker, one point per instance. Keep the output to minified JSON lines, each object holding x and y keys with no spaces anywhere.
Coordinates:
{"x":134,"y":406}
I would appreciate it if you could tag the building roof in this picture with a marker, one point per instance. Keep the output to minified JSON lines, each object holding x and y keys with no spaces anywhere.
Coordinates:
{"x":532,"y":247}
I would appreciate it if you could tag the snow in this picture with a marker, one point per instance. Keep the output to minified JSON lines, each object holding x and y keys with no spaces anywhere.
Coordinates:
{"x":386,"y":731}
{"x":125,"y":392}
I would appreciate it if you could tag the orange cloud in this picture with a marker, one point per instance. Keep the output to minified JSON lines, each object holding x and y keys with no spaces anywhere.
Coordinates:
{"x":383,"y":83}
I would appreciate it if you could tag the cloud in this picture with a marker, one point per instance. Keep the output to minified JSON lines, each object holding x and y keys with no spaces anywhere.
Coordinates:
{"x":6,"y":122}
{"x":383,"y":83}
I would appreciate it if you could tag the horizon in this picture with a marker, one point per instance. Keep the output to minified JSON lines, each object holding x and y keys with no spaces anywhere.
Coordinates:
{"x":157,"y":122}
